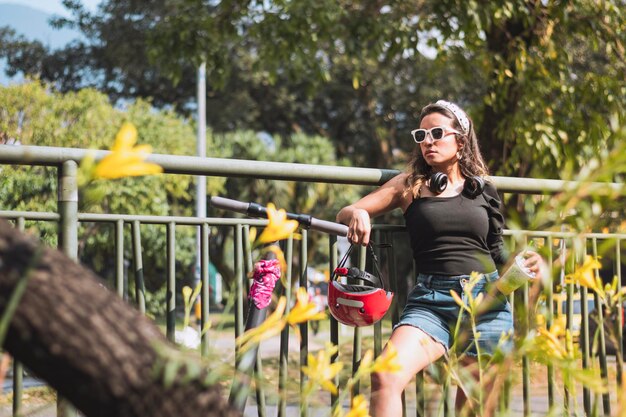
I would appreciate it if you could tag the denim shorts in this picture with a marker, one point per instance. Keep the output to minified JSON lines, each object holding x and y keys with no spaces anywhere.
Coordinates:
{"x":431,"y":308}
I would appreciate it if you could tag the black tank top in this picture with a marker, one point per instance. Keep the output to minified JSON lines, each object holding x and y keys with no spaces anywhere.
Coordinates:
{"x":456,"y":235}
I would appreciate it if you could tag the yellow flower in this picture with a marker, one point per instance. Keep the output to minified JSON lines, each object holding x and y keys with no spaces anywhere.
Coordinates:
{"x":321,"y":370}
{"x":186,"y":293}
{"x":359,"y":407}
{"x":388,"y":360}
{"x":479,"y":299}
{"x":188,"y":298}
{"x":272,"y":326}
{"x":126,"y":160}
{"x":549,"y":344}
{"x":279,"y":227}
{"x":619,"y":295}
{"x":304,"y":310}
{"x":125,"y":138}
{"x":585,"y":275}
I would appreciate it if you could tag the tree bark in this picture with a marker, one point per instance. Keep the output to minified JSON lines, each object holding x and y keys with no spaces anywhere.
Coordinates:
{"x":94,"y":349}
{"x":503,"y":41}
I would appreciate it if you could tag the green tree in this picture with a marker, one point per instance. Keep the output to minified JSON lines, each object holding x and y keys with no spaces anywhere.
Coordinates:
{"x":367,"y":118}
{"x":541,"y":78}
{"x":35,"y":115}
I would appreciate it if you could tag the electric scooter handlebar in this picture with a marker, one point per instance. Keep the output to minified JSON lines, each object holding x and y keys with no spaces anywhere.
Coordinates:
{"x":259,"y":211}
{"x":329,"y":227}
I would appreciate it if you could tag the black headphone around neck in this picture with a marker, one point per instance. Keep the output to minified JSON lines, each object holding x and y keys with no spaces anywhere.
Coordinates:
{"x":472,"y":188}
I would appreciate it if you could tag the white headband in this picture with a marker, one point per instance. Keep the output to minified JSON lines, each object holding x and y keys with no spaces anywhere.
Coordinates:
{"x":456,"y":110}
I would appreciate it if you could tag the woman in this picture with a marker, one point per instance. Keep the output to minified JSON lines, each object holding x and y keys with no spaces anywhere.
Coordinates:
{"x":454,"y":230}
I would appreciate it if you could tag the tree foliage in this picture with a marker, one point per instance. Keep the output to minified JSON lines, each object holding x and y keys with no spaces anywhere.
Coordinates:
{"x":38,"y":115}
{"x":540,"y":78}
{"x":86,"y":119}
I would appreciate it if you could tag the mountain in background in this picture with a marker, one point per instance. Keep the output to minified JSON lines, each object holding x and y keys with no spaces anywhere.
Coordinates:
{"x":33,"y":24}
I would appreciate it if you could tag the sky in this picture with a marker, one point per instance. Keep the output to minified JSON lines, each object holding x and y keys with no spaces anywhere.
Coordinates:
{"x":52,"y":6}
{"x":55,"y":38}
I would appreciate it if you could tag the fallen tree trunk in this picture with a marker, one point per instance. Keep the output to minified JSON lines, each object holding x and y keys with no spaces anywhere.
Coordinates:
{"x":94,"y":349}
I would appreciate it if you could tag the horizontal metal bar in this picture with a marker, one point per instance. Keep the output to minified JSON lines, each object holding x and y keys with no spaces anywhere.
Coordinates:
{"x":563,"y":235}
{"x":549,"y":186}
{"x":193,"y":165}
{"x":145,"y":219}
{"x":179,"y":220}
{"x":29,"y":215}
{"x":220,"y":221}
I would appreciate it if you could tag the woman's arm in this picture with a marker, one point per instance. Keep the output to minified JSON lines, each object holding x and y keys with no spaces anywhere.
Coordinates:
{"x":495,"y":241}
{"x":386,"y":198}
{"x":532,"y":260}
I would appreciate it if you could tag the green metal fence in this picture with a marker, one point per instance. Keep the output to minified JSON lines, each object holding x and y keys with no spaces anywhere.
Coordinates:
{"x":69,"y":220}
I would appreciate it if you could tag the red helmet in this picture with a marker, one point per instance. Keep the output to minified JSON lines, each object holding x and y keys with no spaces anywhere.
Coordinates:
{"x":358,"y":305}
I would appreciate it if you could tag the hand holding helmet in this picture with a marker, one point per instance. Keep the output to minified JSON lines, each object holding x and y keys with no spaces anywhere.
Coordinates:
{"x":359,"y":227}
{"x":357,"y":304}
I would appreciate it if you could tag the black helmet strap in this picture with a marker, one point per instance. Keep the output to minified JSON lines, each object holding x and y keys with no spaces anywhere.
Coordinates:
{"x":377,"y":266}
{"x":356,"y":273}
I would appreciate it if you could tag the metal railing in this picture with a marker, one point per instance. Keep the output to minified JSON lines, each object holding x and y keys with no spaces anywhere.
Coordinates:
{"x":69,"y":219}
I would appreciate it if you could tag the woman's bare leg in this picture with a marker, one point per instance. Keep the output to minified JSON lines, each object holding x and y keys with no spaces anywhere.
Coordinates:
{"x":416,"y":350}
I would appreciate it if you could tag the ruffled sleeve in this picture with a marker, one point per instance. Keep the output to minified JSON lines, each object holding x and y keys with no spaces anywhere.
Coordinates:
{"x":495,"y":240}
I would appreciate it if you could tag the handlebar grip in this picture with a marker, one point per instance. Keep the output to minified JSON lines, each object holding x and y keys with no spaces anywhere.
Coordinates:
{"x":228,"y":204}
{"x":329,"y":227}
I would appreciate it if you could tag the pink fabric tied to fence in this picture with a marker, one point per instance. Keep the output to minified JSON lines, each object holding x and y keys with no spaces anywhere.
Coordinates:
{"x":266,"y":273}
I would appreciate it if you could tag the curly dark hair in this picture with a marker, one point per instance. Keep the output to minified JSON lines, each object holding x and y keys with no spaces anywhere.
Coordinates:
{"x":471,"y":161}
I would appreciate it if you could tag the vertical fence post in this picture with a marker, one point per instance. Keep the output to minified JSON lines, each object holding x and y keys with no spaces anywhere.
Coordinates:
{"x":240,"y":285}
{"x":205,"y":291}
{"x":258,"y":365}
{"x":304,"y":327}
{"x":569,"y":288}
{"x":170,"y":322}
{"x":356,"y":341}
{"x":550,"y":318}
{"x":68,"y":210}
{"x":604,"y":371}
{"x":378,"y":330}
{"x":584,"y":339}
{"x":619,"y":349}
{"x":18,"y":369}
{"x":18,"y":386}
{"x":68,"y":237}
{"x":284,"y":335}
{"x":119,"y":258}
{"x":140,"y":288}
{"x":334,"y":324}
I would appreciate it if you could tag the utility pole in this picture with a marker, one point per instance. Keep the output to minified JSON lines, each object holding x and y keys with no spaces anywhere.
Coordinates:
{"x":201,"y":151}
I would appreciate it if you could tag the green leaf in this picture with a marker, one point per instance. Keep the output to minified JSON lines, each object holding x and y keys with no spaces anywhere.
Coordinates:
{"x":170,"y":372}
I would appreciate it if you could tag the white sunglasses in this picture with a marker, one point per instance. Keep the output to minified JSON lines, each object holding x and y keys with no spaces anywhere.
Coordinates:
{"x":437,"y":133}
